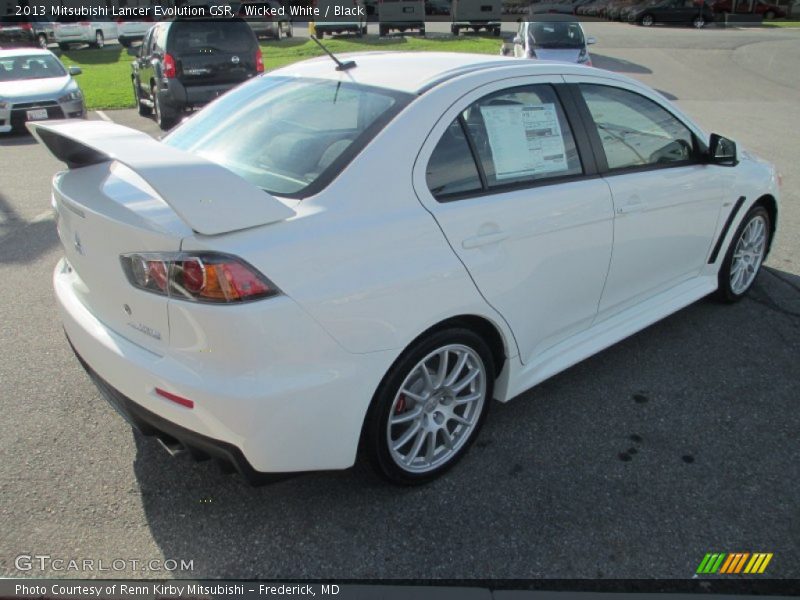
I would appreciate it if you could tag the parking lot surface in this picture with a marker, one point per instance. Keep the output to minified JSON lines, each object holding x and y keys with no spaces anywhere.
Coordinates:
{"x":679,"y":441}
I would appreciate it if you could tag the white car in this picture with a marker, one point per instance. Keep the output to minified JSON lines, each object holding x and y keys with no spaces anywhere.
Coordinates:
{"x":35,"y":86}
{"x":364,"y":255}
{"x":552,"y":40}
{"x":71,"y":30}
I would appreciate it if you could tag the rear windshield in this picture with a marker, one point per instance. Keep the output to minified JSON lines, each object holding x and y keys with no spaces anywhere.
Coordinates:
{"x":289,"y":136}
{"x":38,"y":66}
{"x":186,"y":37}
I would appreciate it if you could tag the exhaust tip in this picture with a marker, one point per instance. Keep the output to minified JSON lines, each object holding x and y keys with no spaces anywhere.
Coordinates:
{"x":171,"y":445}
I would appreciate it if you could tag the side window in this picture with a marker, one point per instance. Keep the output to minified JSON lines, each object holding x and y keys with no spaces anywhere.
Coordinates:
{"x":521,"y":135}
{"x":145,"y":47}
{"x":452,"y":169}
{"x":635,"y":131}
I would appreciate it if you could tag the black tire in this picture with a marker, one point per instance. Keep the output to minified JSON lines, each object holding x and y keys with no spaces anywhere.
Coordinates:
{"x":769,"y":15}
{"x":421,"y":32}
{"x":647,"y":20}
{"x":496,"y":32}
{"x":163,"y":121}
{"x":699,"y":22}
{"x":374,"y":439}
{"x":725,"y":292}
{"x":41,"y":41}
{"x":383,"y":31}
{"x":454,"y":30}
{"x":278,"y":32}
{"x":289,"y":30}
{"x":63,"y":46}
{"x":144,"y":111}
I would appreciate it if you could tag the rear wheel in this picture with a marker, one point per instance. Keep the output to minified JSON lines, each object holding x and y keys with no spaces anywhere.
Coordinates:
{"x":698,"y":22}
{"x":769,"y":15}
{"x":278,"y":32}
{"x":647,"y":21}
{"x":454,"y":30}
{"x":745,"y":256}
{"x":164,"y":121}
{"x":144,"y":111}
{"x":430,"y":407}
{"x":63,"y":46}
{"x":41,"y":40}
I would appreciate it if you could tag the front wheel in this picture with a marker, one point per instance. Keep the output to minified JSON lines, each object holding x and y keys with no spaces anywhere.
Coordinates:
{"x":164,"y":121}
{"x":745,"y":256}
{"x":99,"y":40}
{"x":699,"y":22}
{"x":647,"y":21}
{"x":429,"y":407}
{"x":41,"y":40}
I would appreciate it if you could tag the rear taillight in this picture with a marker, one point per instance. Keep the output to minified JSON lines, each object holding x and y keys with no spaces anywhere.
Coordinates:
{"x":169,"y":70}
{"x":259,"y":61}
{"x":202,"y":277}
{"x":26,"y":26}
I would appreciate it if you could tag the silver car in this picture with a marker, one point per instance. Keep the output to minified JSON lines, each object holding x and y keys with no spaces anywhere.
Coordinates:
{"x":563,"y":41}
{"x":35,"y":86}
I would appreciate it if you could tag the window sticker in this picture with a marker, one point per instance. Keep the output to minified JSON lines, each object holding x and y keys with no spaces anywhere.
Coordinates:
{"x":525,"y":139}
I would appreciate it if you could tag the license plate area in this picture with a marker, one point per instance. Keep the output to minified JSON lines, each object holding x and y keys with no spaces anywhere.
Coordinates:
{"x":38,"y":114}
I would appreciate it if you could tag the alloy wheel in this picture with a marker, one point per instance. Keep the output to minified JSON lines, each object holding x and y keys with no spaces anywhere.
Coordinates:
{"x":436,"y":408}
{"x":748,"y":254}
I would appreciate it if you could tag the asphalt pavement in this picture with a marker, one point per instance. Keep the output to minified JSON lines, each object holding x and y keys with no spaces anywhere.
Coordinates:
{"x":679,"y":441}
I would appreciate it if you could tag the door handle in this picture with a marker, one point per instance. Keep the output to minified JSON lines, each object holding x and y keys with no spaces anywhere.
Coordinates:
{"x":484,"y":239}
{"x":631,"y":205}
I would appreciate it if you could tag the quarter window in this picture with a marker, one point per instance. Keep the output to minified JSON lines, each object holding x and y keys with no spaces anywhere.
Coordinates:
{"x":452,"y":169}
{"x":635,"y":131}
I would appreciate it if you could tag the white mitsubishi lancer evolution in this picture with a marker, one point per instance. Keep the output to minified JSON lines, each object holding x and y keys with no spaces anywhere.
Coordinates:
{"x":337,"y":257}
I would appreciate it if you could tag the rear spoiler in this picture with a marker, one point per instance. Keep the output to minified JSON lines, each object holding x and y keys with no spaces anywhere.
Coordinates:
{"x":205,"y":195}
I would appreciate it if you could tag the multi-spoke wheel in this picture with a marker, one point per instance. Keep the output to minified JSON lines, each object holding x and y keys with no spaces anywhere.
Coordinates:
{"x":745,"y":255}
{"x":430,"y":406}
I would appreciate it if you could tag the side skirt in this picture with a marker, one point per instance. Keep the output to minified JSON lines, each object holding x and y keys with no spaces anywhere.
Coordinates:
{"x":607,"y":333}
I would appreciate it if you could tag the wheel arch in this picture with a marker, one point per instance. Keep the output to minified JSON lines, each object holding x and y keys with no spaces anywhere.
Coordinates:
{"x":769,"y":202}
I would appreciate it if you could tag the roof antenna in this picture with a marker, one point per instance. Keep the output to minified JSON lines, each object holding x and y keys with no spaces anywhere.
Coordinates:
{"x":340,"y":66}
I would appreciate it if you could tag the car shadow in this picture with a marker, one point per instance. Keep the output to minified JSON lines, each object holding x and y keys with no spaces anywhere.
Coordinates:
{"x":618,"y":65}
{"x":17,"y":138}
{"x":600,"y":452}
{"x":94,"y":56}
{"x":21,"y":241}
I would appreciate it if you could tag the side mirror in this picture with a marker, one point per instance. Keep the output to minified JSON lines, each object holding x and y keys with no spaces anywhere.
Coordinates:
{"x":722,"y":151}
{"x":591,"y":40}
{"x":517,"y":40}
{"x":75,"y":70}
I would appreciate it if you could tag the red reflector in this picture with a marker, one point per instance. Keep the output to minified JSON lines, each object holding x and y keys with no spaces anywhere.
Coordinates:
{"x":174,"y":398}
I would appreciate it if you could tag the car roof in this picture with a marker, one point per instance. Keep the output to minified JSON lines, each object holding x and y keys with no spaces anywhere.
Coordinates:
{"x":11,"y":52}
{"x":415,"y":72}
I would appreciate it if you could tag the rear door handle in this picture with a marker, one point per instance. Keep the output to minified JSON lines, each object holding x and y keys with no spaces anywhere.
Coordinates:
{"x":484,"y":239}
{"x":631,"y":205}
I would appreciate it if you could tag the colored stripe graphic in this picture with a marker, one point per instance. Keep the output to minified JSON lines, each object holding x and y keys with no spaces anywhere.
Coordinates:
{"x":734,"y":563}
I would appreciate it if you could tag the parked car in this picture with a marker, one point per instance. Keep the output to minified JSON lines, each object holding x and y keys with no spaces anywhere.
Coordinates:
{"x":18,"y":31}
{"x":132,"y":30}
{"x":237,"y":290}
{"x":674,"y":12}
{"x":35,"y":86}
{"x":272,"y":19}
{"x":552,"y":40}
{"x":628,"y":13}
{"x":74,"y":30}
{"x":186,"y":63}
{"x":767,"y":10}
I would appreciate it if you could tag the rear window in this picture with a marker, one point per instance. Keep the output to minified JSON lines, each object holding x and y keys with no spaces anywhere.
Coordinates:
{"x":289,"y":136}
{"x":186,"y":37}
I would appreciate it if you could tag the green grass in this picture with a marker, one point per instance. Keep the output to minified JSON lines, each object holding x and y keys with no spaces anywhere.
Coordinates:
{"x":106,"y":79}
{"x":782,"y":24}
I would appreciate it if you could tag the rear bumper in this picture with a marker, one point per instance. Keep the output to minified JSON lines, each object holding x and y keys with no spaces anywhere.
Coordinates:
{"x":179,"y":96}
{"x":273,"y":393}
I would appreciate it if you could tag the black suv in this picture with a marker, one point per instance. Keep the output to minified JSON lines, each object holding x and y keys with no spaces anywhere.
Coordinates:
{"x":186,"y":63}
